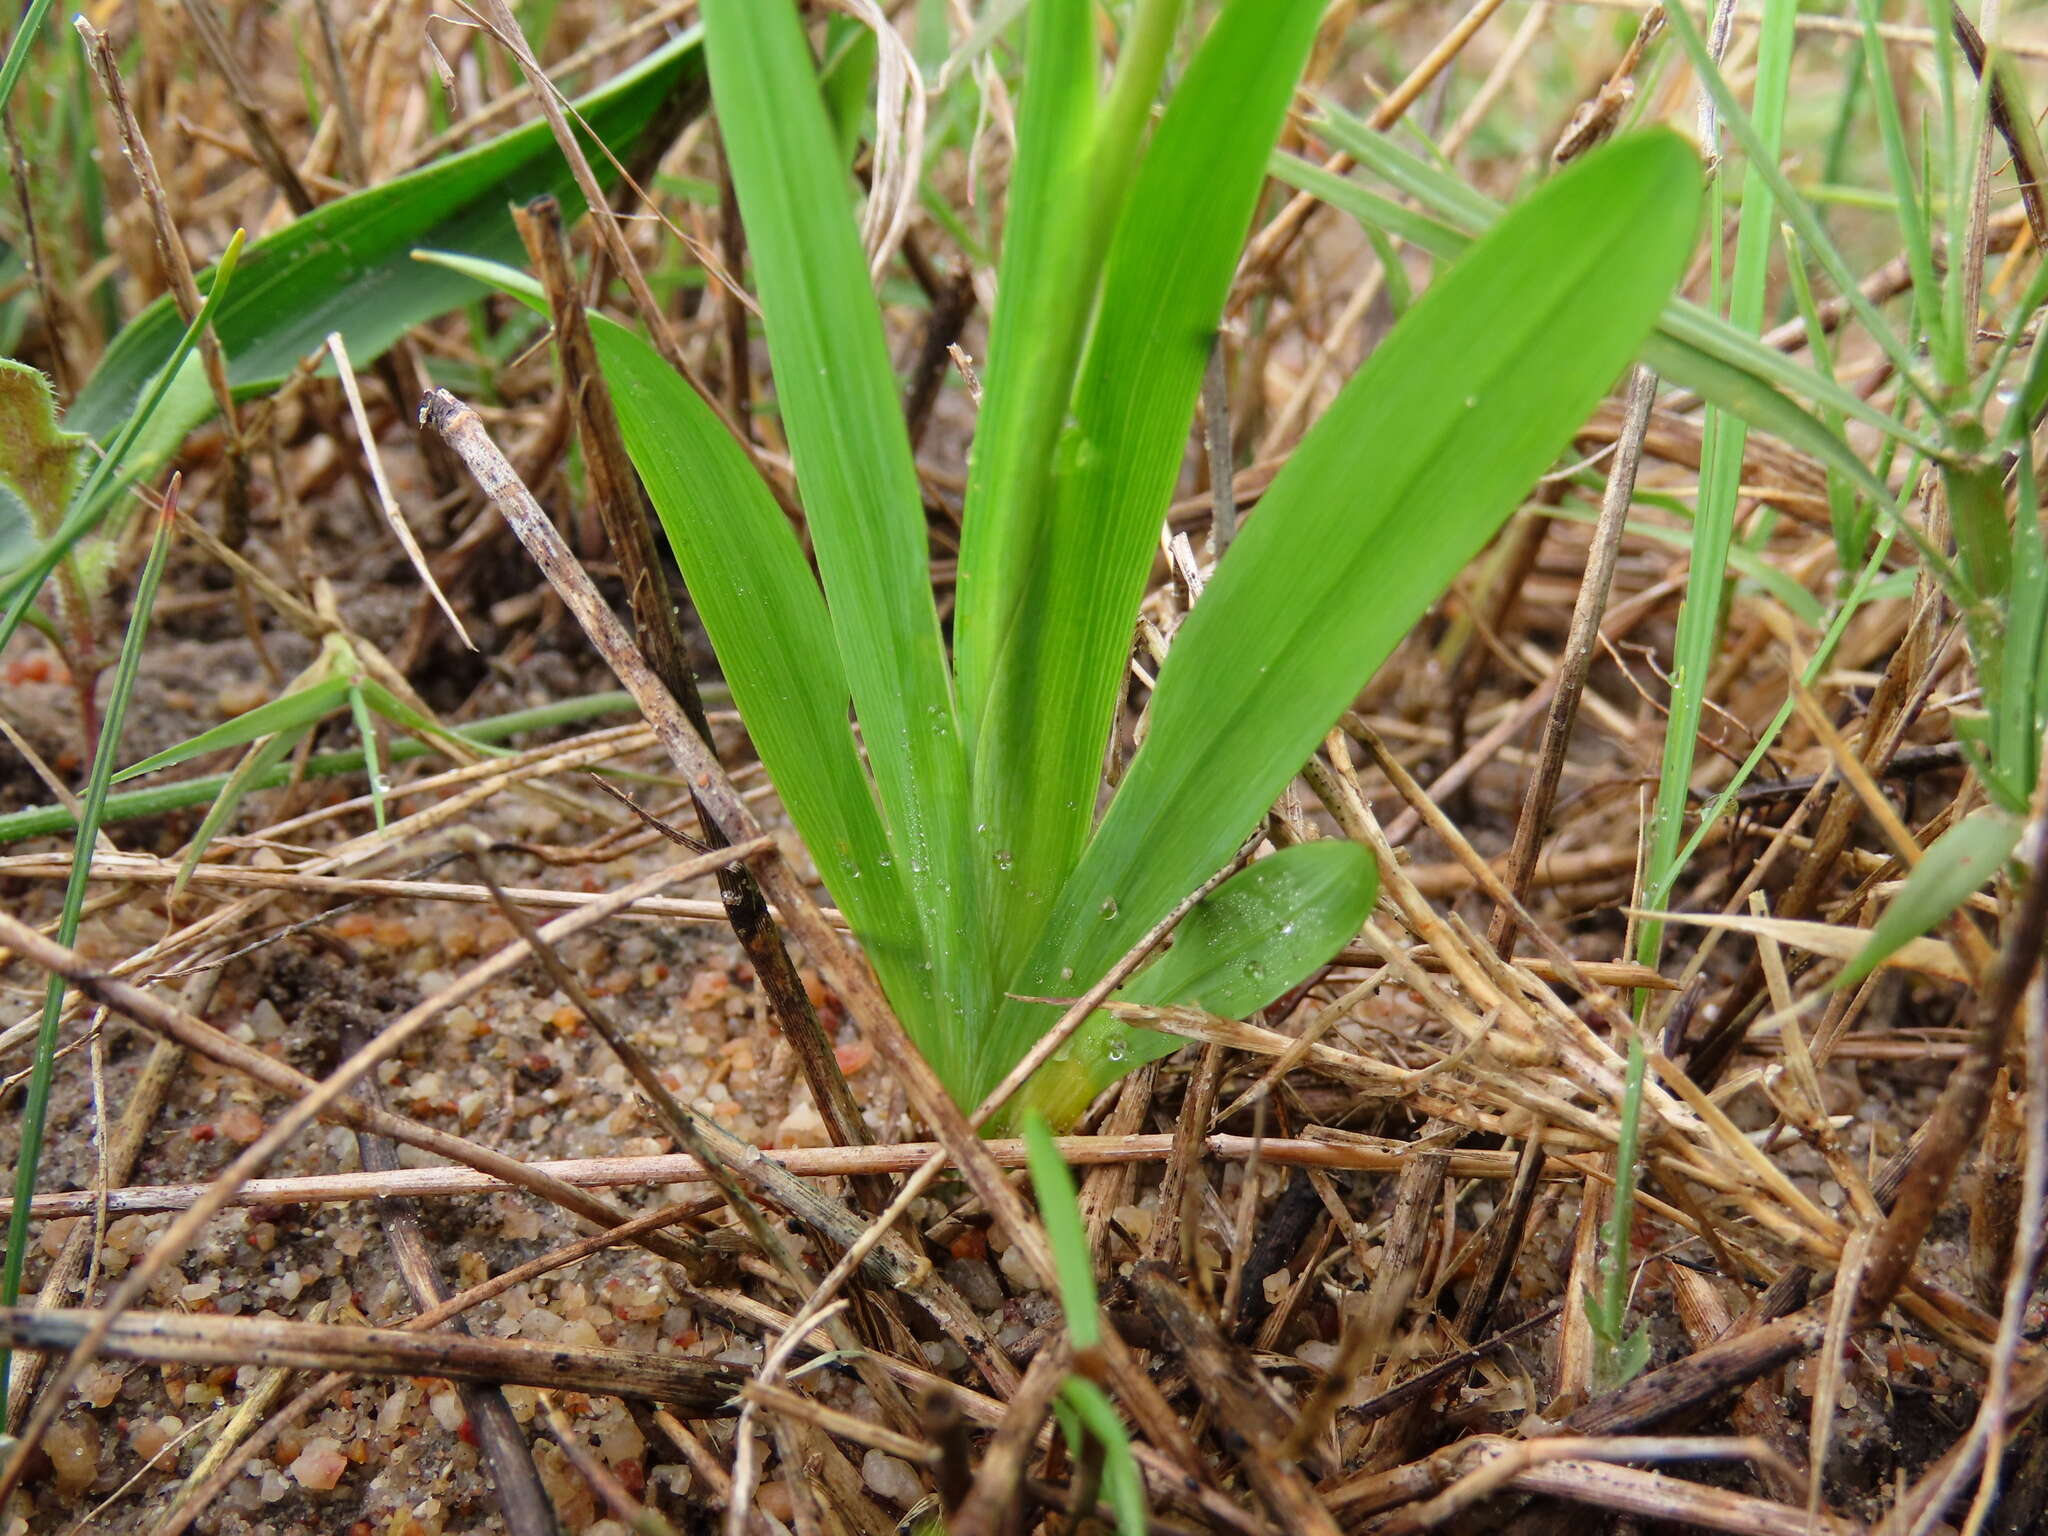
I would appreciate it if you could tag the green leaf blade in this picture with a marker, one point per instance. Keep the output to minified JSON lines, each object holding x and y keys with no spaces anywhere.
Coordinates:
{"x":346,"y":266}
{"x":1954,"y":868}
{"x":854,"y":471}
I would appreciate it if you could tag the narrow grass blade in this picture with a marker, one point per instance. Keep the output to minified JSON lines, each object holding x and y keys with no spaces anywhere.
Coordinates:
{"x":346,"y":266}
{"x":1763,"y":162}
{"x":1059,"y":1207}
{"x":1721,"y":462}
{"x":1411,"y":470}
{"x":862,"y":504}
{"x":1081,"y":571}
{"x":19,"y":588}
{"x":760,"y":604}
{"x":1955,"y":867}
{"x":1911,"y":217}
{"x":298,"y":710}
{"x":1043,"y":292}
{"x":265,"y":756}
{"x":36,"y":1101}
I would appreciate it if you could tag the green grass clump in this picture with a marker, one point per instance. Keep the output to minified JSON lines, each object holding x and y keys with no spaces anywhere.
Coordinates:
{"x":958,"y":829}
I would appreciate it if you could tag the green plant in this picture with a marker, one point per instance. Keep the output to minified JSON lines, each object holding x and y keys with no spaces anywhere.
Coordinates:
{"x":972,"y":864}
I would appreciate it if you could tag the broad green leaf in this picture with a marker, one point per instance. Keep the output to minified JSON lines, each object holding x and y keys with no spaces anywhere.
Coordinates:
{"x":298,"y":710}
{"x":760,"y":604}
{"x":1241,"y":947}
{"x":346,"y":265}
{"x":1954,"y":868}
{"x":862,"y":503}
{"x":1262,"y":930}
{"x":1423,"y":454}
{"x":1059,"y":1207}
{"x":1080,"y":564}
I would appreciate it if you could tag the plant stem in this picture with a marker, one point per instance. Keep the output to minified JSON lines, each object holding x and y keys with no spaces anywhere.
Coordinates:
{"x":134,"y":804}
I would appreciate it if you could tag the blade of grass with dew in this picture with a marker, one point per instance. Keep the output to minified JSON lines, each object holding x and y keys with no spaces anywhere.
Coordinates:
{"x":1083,"y":561}
{"x":36,"y":1100}
{"x":1954,"y":868}
{"x":1063,"y":207}
{"x":1241,"y":947}
{"x":862,"y":503}
{"x":18,"y":588}
{"x":1415,"y":465}
{"x":56,"y":820}
{"x":752,"y":586}
{"x":1620,"y":1354}
{"x":346,"y":266}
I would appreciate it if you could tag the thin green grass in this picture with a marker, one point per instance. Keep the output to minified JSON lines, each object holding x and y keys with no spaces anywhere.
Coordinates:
{"x":36,"y":1100}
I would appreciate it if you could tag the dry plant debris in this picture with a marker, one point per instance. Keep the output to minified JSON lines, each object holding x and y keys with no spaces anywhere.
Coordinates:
{"x":434,"y":1157}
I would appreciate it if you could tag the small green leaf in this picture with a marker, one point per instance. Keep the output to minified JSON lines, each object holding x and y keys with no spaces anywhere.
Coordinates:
{"x":296,"y":711}
{"x":1265,"y":928}
{"x":1242,"y":946}
{"x":1954,"y":868}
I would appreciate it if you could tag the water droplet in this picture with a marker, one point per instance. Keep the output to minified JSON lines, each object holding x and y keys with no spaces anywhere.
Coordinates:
{"x":1108,"y":908}
{"x":1254,"y":970}
{"x":1066,"y":973}
{"x":1286,"y":929}
{"x":1471,"y":402}
{"x":1116,"y":1050}
{"x":1004,"y":858}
